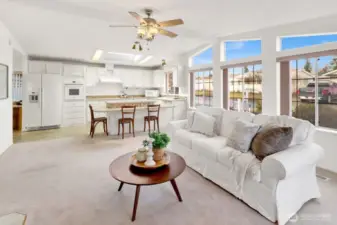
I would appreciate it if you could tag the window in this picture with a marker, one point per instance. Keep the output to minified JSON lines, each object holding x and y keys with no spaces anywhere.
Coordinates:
{"x":304,"y":41}
{"x":205,"y":57}
{"x":314,"y":90}
{"x":245,"y":88}
{"x":242,"y":49}
{"x":203,"y":88}
{"x":169,"y":81}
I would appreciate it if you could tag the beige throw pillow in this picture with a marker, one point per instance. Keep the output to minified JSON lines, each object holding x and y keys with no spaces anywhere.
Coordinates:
{"x":271,"y":140}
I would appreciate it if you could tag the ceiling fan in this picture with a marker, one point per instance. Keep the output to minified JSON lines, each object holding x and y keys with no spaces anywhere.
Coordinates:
{"x":148,"y":27}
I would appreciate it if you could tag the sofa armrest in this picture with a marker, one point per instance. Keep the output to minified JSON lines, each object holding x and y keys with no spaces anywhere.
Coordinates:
{"x":173,"y":126}
{"x":286,"y":163}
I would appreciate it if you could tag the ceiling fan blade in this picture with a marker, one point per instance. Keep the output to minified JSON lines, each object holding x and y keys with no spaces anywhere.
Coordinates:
{"x":167,"y":33}
{"x":137,"y":16}
{"x":117,"y":26}
{"x":170,"y":23}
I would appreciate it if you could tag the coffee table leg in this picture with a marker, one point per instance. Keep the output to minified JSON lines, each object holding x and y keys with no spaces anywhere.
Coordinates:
{"x":120,"y":186}
{"x":176,"y":190}
{"x":135,"y":204}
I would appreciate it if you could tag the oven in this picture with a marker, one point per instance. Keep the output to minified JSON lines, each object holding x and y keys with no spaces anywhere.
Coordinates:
{"x":73,"y":92}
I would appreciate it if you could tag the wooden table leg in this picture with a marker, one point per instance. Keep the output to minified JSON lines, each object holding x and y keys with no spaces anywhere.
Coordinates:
{"x":120,"y":186}
{"x":176,"y":190}
{"x":135,"y":204}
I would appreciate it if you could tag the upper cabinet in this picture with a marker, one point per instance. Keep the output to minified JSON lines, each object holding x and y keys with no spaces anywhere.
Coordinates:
{"x":44,"y":67}
{"x":53,"y":67}
{"x":73,"y":70}
{"x":159,"y":78}
{"x":36,"y":67}
{"x":92,"y":76}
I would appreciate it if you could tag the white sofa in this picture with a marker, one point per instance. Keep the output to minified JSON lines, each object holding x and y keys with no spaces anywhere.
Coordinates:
{"x":277,"y":187}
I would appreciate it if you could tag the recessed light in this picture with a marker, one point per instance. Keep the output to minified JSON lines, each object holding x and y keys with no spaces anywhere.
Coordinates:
{"x":97,"y":55}
{"x":146,"y":59}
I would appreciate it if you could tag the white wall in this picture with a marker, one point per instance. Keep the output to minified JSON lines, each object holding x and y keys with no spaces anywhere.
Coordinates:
{"x":137,"y":75}
{"x":271,"y":79}
{"x":7,"y":44}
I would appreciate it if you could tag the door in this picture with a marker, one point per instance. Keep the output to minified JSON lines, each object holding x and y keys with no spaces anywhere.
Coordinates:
{"x":31,"y":100}
{"x":52,"y":98}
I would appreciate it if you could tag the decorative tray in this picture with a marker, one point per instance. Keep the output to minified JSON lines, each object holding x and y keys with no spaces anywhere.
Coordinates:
{"x":163,"y":162}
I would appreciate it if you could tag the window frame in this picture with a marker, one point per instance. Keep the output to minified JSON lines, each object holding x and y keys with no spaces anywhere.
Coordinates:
{"x":195,"y":85}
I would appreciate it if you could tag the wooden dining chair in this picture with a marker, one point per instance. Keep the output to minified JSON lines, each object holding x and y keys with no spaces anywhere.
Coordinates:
{"x":97,"y":120}
{"x":128,"y":117}
{"x":152,"y":115}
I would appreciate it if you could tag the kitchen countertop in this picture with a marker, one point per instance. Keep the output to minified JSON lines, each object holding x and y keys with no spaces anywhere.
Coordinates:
{"x":119,"y":109}
{"x":131,"y":101}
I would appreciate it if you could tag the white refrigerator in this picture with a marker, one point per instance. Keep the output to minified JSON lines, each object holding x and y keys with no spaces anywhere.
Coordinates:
{"x":42,"y":100}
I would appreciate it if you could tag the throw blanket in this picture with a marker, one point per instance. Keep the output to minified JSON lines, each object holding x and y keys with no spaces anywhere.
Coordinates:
{"x":245,"y":164}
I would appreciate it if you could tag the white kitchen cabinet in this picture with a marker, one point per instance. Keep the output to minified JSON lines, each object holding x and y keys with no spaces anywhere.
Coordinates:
{"x":37,"y":67}
{"x":147,"y":77}
{"x":92,"y":76}
{"x":159,"y":78}
{"x":73,"y":113}
{"x":73,"y":70}
{"x":53,"y":68}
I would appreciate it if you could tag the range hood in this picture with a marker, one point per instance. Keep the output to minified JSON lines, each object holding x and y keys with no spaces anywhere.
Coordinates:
{"x":108,"y":76}
{"x":110,"y":79}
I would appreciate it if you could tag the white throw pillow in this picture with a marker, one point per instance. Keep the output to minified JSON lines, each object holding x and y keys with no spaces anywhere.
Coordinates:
{"x":203,"y":124}
{"x":242,"y":135}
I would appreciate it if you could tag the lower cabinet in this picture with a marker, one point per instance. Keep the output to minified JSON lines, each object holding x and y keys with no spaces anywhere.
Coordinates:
{"x":73,"y":113}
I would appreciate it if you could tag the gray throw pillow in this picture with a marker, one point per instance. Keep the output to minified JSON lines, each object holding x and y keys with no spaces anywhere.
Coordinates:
{"x":242,"y":135}
{"x":271,"y":140}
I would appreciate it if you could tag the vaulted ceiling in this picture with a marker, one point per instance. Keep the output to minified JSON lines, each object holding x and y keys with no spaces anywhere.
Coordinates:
{"x":76,"y":28}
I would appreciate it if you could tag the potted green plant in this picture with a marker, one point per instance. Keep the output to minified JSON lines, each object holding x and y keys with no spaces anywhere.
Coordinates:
{"x":160,"y":142}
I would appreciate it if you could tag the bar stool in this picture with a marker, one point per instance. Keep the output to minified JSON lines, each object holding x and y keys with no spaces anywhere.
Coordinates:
{"x":152,"y":109}
{"x":95,"y":121}
{"x":127,"y":110}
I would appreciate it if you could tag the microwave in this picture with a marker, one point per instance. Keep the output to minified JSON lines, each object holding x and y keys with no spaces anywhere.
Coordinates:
{"x":73,"y":92}
{"x":151,"y":93}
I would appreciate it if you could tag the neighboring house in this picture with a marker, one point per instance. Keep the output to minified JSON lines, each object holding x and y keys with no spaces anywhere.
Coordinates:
{"x":300,"y":79}
{"x":246,"y":82}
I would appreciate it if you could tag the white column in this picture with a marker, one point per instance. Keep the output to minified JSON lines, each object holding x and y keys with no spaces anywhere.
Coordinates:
{"x":271,"y":75}
{"x":217,"y":73}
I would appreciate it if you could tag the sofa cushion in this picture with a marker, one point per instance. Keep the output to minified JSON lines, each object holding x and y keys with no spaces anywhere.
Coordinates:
{"x":216,"y":113}
{"x":203,"y":124}
{"x":242,"y":135}
{"x":225,"y":156}
{"x":229,"y":118}
{"x":209,"y":148}
{"x":303,"y":130}
{"x":185,"y":137}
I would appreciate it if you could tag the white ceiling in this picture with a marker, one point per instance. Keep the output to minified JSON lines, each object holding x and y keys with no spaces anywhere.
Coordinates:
{"x":76,"y":28}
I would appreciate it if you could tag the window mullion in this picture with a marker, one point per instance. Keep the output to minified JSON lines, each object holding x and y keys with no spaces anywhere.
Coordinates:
{"x":316,"y":93}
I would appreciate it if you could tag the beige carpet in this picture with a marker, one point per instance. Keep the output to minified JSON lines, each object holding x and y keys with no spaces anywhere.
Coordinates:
{"x":66,"y":181}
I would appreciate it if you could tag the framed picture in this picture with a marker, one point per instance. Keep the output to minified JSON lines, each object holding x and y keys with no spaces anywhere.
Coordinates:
{"x":3,"y":81}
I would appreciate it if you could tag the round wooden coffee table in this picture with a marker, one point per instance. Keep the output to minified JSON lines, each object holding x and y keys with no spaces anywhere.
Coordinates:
{"x":121,"y":170}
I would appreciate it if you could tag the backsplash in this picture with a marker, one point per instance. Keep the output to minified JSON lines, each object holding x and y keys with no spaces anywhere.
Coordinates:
{"x":113,"y":89}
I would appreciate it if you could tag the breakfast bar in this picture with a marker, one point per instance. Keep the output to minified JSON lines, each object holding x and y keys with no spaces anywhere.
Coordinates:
{"x":113,"y":113}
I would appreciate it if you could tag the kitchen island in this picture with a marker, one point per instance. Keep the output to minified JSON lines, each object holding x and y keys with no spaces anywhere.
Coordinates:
{"x":113,"y":112}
